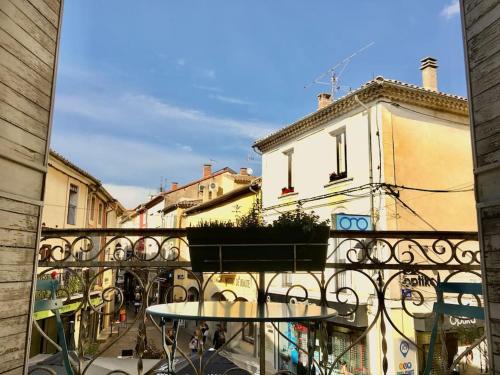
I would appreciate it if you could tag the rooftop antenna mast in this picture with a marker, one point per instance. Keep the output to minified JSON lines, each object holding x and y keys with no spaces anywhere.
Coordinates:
{"x":335,"y":72}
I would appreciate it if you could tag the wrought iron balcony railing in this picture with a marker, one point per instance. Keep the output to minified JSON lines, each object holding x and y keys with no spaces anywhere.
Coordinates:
{"x":381,"y":283}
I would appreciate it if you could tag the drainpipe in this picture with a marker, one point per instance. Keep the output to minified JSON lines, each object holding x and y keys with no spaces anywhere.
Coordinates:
{"x":370,"y":161}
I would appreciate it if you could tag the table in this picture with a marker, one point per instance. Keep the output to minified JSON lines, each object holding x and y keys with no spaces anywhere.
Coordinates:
{"x":240,"y":311}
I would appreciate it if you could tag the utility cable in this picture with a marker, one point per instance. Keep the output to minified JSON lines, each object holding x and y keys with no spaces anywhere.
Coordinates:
{"x":396,"y":195}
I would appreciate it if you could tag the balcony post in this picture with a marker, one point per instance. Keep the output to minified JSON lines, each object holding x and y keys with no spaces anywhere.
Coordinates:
{"x":262,"y":325}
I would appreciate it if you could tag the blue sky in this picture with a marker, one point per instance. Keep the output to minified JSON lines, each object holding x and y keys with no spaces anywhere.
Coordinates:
{"x":158,"y":88}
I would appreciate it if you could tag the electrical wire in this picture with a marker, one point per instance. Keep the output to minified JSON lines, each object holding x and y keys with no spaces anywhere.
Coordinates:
{"x":427,"y":190}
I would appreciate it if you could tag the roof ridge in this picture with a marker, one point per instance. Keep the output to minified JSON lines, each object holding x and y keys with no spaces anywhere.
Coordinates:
{"x":371,"y":89}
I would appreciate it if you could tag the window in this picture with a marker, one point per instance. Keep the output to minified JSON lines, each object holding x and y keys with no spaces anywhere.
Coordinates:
{"x":72,"y":204}
{"x":286,"y":279}
{"x":289,"y":185}
{"x":92,"y":208}
{"x":99,"y":217}
{"x":340,"y":166}
{"x":249,"y":333}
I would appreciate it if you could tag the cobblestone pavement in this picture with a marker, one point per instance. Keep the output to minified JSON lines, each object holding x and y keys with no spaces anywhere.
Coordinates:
{"x":129,"y":340}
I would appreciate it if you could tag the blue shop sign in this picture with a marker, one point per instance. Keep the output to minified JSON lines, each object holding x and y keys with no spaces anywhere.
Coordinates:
{"x":353,"y":222}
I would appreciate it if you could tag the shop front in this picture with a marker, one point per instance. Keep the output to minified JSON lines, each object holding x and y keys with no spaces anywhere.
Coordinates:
{"x":459,"y":334}
{"x":341,"y":332}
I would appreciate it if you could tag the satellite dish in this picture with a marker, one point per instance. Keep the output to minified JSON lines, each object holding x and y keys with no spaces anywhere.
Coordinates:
{"x":250,"y":171}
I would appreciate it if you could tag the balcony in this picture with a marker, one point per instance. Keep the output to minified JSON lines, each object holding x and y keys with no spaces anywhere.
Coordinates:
{"x":381,"y":284}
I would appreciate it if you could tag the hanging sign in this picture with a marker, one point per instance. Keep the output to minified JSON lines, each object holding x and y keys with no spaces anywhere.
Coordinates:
{"x":352,"y":222}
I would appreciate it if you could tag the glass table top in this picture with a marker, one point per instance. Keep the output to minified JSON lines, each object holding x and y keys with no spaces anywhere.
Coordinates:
{"x":240,"y":311}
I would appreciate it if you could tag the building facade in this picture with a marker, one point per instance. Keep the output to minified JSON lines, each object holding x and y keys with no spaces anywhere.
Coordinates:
{"x":76,"y":199}
{"x":387,"y":156}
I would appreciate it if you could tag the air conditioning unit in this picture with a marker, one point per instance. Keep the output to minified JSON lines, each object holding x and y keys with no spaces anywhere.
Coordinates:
{"x":213,"y":186}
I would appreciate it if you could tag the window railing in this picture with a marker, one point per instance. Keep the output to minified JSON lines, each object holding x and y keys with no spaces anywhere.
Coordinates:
{"x":382,"y":289}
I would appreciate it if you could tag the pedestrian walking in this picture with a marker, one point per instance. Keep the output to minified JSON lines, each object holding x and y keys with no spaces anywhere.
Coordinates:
{"x":204,"y":331}
{"x":219,"y":337}
{"x":193,"y":344}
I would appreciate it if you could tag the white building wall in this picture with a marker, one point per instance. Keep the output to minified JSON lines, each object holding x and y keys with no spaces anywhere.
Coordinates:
{"x":314,"y":158}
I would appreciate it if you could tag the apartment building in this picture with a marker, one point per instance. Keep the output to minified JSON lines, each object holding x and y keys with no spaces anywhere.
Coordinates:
{"x":386,"y":156}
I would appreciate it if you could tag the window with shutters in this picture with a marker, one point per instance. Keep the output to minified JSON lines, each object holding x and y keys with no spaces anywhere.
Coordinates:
{"x":72,"y":204}
{"x":99,"y":217}
{"x":92,"y":208}
{"x":340,"y":162}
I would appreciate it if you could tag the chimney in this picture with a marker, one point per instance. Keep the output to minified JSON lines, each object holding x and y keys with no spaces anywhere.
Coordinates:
{"x":428,"y":67}
{"x":324,"y":99}
{"x":243,"y":171}
{"x":174,"y":186}
{"x":207,"y":170}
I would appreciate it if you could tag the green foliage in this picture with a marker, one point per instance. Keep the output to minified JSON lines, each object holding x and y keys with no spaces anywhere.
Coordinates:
{"x":297,"y":218}
{"x":215,"y":224}
{"x":72,"y":284}
{"x":253,"y":219}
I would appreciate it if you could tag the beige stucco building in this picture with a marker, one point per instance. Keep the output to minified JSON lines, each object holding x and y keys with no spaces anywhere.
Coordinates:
{"x":75,"y":199}
{"x":394,"y":156}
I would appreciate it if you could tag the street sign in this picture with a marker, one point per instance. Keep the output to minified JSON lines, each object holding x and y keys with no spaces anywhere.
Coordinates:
{"x":352,"y":222}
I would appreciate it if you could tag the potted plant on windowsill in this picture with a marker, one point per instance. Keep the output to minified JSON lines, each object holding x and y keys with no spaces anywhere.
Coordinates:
{"x":334,"y":176}
{"x":287,"y":190}
{"x":295,"y":241}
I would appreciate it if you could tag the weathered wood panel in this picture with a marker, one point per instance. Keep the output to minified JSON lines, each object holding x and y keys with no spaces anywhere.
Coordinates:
{"x":12,"y":351}
{"x":16,"y":371}
{"x":46,"y":11}
{"x":12,"y":220}
{"x":13,"y":326}
{"x":487,"y":129}
{"x":484,"y":45}
{"x":22,"y":70}
{"x":38,"y":19}
{"x":22,"y":87}
{"x":19,"y":151}
{"x":23,"y":121}
{"x":11,"y":45}
{"x":29,"y":36}
{"x":28,"y":25}
{"x":20,"y":179}
{"x":485,"y":75}
{"x":19,"y":207}
{"x":10,"y":27}
{"x":15,"y":264}
{"x":15,"y":299}
{"x":481,"y":25}
{"x":485,"y":17}
{"x":16,"y":238}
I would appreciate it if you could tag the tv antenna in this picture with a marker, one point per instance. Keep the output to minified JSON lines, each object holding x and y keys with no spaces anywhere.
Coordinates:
{"x":335,"y":72}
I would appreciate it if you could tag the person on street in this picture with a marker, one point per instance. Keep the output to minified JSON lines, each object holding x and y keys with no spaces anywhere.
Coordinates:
{"x":204,"y":331}
{"x":219,"y":337}
{"x":194,"y":343}
{"x":137,"y":300}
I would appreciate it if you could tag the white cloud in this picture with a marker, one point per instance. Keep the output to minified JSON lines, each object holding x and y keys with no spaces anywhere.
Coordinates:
{"x":153,"y":114}
{"x":208,"y":88}
{"x":208,"y":73}
{"x":229,"y":99}
{"x":451,"y":10}
{"x":129,"y":196}
{"x":117,"y":161}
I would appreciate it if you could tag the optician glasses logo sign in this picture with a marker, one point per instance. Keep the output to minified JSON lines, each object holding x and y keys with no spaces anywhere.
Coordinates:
{"x":352,"y":222}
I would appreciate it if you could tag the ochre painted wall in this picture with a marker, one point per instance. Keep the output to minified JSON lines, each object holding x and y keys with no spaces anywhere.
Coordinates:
{"x":423,"y":151}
